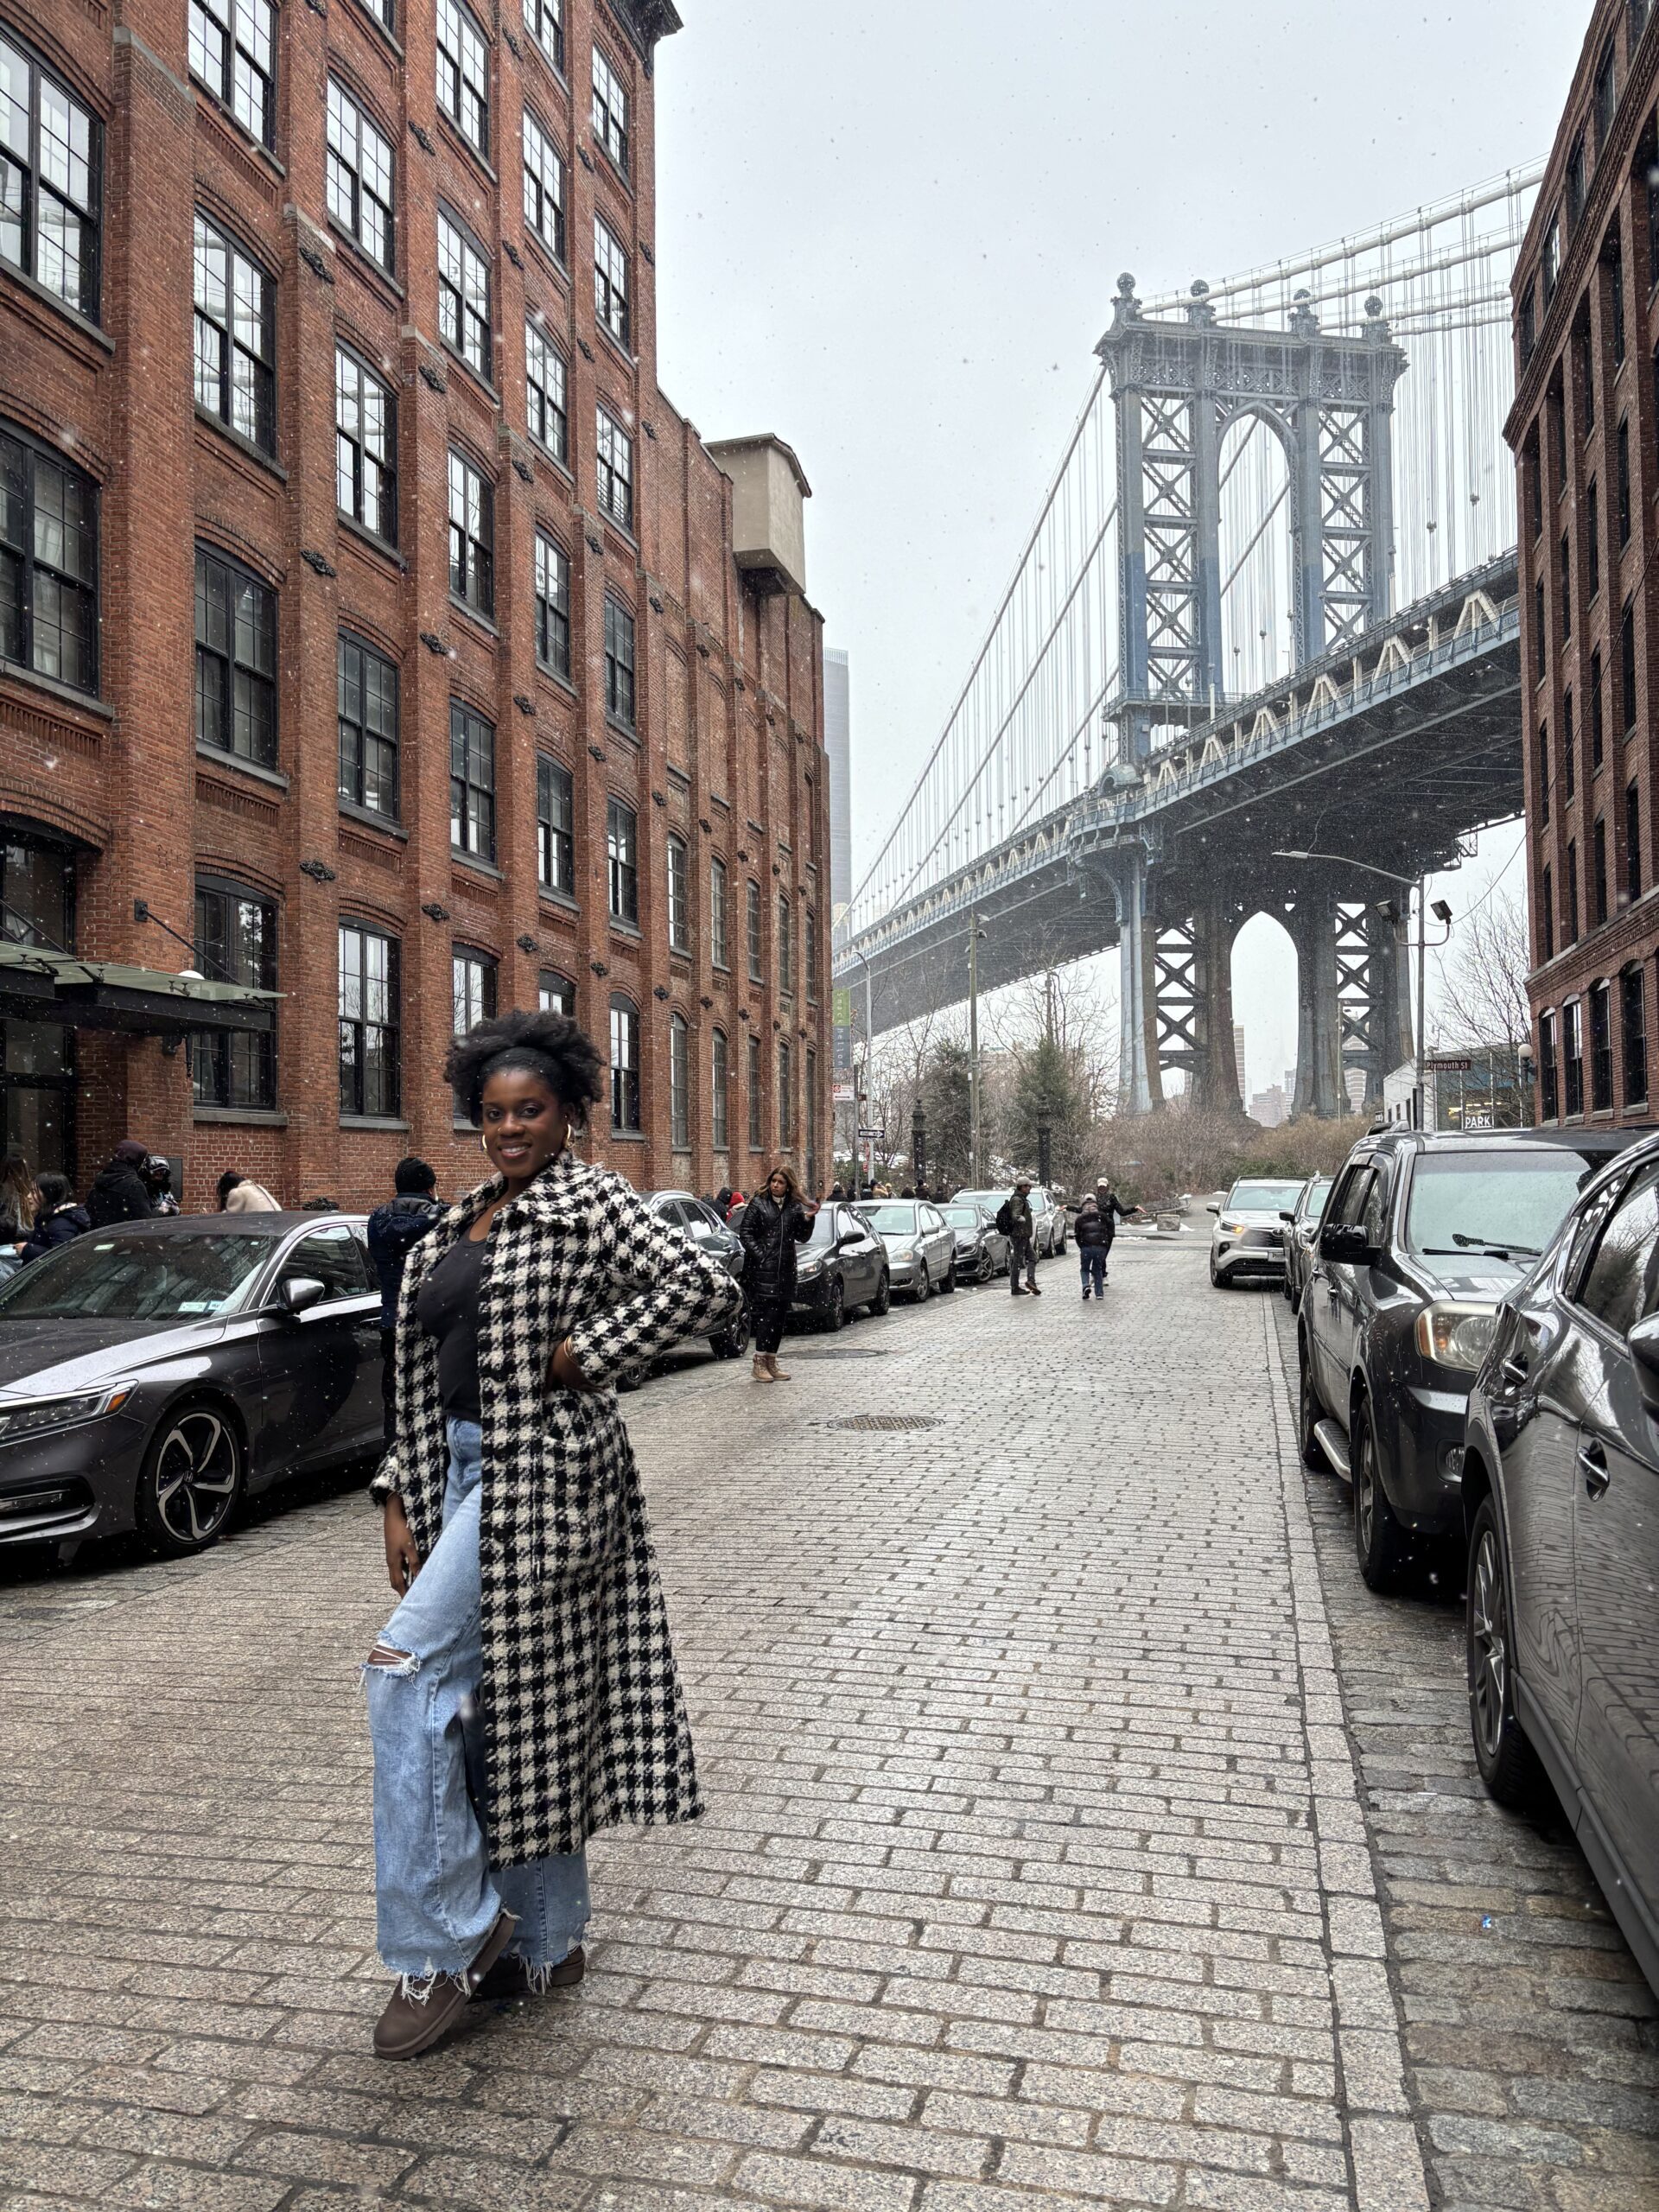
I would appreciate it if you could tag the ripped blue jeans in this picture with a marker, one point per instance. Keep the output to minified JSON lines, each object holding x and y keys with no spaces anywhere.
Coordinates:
{"x":436,"y":1896}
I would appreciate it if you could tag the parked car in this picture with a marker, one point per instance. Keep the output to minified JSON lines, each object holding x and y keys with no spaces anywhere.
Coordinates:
{"x":982,"y":1248}
{"x":1424,"y":1234}
{"x":842,"y":1265}
{"x":1301,"y":1229}
{"x":1560,"y":1513}
{"x":921,"y":1245}
{"x":153,"y":1374}
{"x":1048,"y":1217}
{"x":1248,"y":1237}
{"x":685,"y":1211}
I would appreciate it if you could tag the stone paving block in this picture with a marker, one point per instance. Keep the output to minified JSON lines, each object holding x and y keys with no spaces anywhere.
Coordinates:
{"x":815,"y":2186}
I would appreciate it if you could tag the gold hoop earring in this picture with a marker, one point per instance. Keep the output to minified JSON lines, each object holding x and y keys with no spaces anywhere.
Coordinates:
{"x":484,"y":1146}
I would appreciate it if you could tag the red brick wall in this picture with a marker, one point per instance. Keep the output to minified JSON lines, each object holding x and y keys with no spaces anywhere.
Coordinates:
{"x":729,"y":749}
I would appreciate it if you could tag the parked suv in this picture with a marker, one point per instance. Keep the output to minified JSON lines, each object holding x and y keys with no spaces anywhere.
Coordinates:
{"x":1302,"y":1229}
{"x":1248,"y":1237}
{"x":1560,"y":1508}
{"x":1422,"y":1236}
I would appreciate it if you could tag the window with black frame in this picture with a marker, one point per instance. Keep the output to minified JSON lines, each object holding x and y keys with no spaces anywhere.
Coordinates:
{"x":51,"y":179}
{"x":679,"y":896}
{"x":720,"y":1095}
{"x":719,"y":946}
{"x":615,"y":449}
{"x":1573,"y":1057}
{"x":233,"y":53}
{"x":1548,"y":1079}
{"x":463,"y":293}
{"x":472,"y":781}
{"x":544,"y":187}
{"x":236,"y":660}
{"x":358,"y":181}
{"x":368,"y":729}
{"x":546,"y":386}
{"x":610,"y":112}
{"x":625,"y":1066}
{"x":810,"y":958}
{"x":48,"y":564}
{"x":370,"y":1022}
{"x":618,"y":663}
{"x":556,"y":828}
{"x":611,"y":284}
{"x":236,"y":942}
{"x":552,"y":606}
{"x":366,"y":446}
{"x":752,"y":933}
{"x":1633,"y":840}
{"x":785,"y":1096}
{"x":545,"y":21}
{"x":1601,"y":1048}
{"x":785,"y":945}
{"x":472,"y":535}
{"x":757,"y":1103}
{"x":235,"y":336}
{"x":622,"y":856}
{"x":475,"y":988}
{"x":680,"y":1082}
{"x":1633,"y":1033}
{"x":463,"y":72}
{"x":556,"y":994}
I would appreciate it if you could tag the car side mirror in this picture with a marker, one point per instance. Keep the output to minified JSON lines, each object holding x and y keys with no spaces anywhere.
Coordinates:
{"x":1643,"y":1341}
{"x":299,"y":1293}
{"x":1344,"y":1241}
{"x":1286,"y":1214}
{"x":1212,"y":1209}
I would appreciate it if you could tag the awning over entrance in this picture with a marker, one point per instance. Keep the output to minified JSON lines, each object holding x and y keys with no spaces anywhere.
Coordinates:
{"x":36,"y":985}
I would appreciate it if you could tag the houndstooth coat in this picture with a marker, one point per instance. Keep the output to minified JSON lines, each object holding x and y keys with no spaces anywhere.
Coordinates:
{"x":584,"y":1723}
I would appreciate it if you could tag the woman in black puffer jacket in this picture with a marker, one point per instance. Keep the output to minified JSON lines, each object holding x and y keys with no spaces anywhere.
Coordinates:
{"x":775,"y":1222}
{"x":59,"y":1219}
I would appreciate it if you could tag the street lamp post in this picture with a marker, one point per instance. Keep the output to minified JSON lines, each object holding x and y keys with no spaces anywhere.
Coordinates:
{"x":1044,"y":1151}
{"x":918,"y":1147}
{"x":1443,"y":913}
{"x":973,"y":1048}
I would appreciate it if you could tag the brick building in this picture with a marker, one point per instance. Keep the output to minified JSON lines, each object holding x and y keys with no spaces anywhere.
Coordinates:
{"x":373,"y":634}
{"x":1583,"y":428}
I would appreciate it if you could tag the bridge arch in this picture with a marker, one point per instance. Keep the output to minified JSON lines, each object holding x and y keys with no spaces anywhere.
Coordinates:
{"x":1266,"y":972}
{"x":1256,"y":549}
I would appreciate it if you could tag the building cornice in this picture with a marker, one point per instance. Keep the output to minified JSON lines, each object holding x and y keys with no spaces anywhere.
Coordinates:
{"x":644,"y":21}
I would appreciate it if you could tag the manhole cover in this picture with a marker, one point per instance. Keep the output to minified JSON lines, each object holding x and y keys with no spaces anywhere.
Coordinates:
{"x":885,"y":1421}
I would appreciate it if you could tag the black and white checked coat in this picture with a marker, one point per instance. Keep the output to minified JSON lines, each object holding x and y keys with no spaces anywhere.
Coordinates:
{"x":584,"y":1722}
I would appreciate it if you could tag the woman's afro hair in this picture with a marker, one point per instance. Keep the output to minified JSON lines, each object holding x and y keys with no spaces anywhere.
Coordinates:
{"x":547,"y":1044}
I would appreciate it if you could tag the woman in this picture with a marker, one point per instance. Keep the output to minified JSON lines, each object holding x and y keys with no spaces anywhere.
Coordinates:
{"x":523,"y":1694}
{"x":775,"y":1222}
{"x":19,"y":1198}
{"x":59,"y":1219}
{"x":241,"y":1194}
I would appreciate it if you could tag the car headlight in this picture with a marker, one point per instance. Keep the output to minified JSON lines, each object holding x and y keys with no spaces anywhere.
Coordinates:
{"x":44,"y":1416}
{"x":809,"y":1268}
{"x":1455,"y":1335}
{"x":1231,"y":1227}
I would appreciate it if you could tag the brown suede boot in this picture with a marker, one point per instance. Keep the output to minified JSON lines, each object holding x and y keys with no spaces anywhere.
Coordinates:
{"x":411,"y":2025}
{"x":510,"y":1977}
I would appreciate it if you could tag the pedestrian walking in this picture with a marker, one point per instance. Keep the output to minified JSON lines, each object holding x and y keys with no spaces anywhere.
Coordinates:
{"x":523,"y":1695}
{"x":241,"y":1194}
{"x":775,"y":1222}
{"x":1112,"y":1211}
{"x":1013,"y":1218}
{"x":156,"y":1176}
{"x":119,"y":1191}
{"x":395,"y":1229}
{"x":59,"y":1220}
{"x":1093,"y":1240}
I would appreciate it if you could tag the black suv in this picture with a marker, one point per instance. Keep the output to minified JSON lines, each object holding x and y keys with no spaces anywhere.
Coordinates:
{"x":1422,"y":1236}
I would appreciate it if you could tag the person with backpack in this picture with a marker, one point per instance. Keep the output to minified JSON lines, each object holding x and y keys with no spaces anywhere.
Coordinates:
{"x":1093,"y":1235}
{"x":1015,"y":1219}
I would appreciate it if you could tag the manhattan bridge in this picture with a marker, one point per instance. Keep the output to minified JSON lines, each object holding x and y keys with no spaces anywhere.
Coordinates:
{"x":1268,"y":609}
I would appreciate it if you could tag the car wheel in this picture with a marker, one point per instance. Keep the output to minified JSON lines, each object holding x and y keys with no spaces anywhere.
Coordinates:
{"x":1379,"y":1542}
{"x":1217,"y":1280}
{"x":192,"y":1478}
{"x":950,"y":1282}
{"x":882,"y":1302}
{"x":833,"y":1319}
{"x":1308,"y":1415}
{"x":920,"y":1296}
{"x":732,"y":1342}
{"x":1509,"y":1765}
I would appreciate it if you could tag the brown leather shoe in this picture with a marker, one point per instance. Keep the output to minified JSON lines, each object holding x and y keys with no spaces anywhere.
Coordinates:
{"x":411,"y":2025}
{"x":510,"y":1977}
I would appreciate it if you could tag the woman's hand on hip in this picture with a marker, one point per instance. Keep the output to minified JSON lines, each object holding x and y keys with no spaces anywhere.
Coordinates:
{"x":562,"y":1371}
{"x":403,"y":1558}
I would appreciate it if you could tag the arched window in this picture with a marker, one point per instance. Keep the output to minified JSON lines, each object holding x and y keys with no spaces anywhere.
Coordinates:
{"x":679,"y":896}
{"x":625,"y":1064}
{"x":680,"y":1082}
{"x":785,"y":1097}
{"x":720,"y":1071}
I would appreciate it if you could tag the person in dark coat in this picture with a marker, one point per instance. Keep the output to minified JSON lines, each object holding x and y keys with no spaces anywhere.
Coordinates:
{"x":1092,"y":1234}
{"x":1112,"y":1211}
{"x":119,"y":1192}
{"x":775,"y":1222}
{"x":59,"y":1220}
{"x":1013,"y":1218}
{"x":395,"y":1229}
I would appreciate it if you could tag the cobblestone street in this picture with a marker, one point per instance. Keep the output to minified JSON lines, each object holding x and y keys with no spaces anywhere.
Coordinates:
{"x":1081,"y":1832}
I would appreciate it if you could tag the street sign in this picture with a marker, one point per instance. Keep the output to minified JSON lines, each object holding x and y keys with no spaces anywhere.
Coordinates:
{"x":844,"y":1094}
{"x":867,"y":1134}
{"x":841,"y":1003}
{"x":1449,"y":1066}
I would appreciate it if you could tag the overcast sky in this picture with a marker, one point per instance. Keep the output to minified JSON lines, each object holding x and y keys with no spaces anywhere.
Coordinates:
{"x":890,"y":230}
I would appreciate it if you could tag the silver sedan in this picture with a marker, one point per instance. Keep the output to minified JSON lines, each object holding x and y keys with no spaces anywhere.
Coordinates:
{"x":921,"y":1246}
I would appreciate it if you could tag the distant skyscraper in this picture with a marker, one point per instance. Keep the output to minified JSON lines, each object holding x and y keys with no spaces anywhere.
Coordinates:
{"x":837,"y":739}
{"x":1238,"y":1058}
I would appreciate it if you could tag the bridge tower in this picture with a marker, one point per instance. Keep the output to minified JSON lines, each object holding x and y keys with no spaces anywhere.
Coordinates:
{"x":1177,"y":388}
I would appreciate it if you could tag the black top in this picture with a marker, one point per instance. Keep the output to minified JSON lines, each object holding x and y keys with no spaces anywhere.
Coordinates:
{"x":446,"y":1307}
{"x":770,"y":1233}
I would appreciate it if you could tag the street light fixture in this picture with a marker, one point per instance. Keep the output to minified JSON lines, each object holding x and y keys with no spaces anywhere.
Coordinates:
{"x":1442,"y":914}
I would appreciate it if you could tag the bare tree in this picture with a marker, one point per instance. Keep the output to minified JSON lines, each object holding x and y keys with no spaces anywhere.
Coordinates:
{"x":1483,"y":1006}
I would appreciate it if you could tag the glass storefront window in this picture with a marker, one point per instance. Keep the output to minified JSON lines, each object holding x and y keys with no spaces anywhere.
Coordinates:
{"x":37,"y":1058}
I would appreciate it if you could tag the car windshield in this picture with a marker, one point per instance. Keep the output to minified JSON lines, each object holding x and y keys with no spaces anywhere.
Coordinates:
{"x":1512,"y":1201}
{"x":961,"y":1217}
{"x":827,"y":1224}
{"x":127,"y":1276}
{"x":1262,"y":1198}
{"x":1314,"y":1206}
{"x":892,"y":1220}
